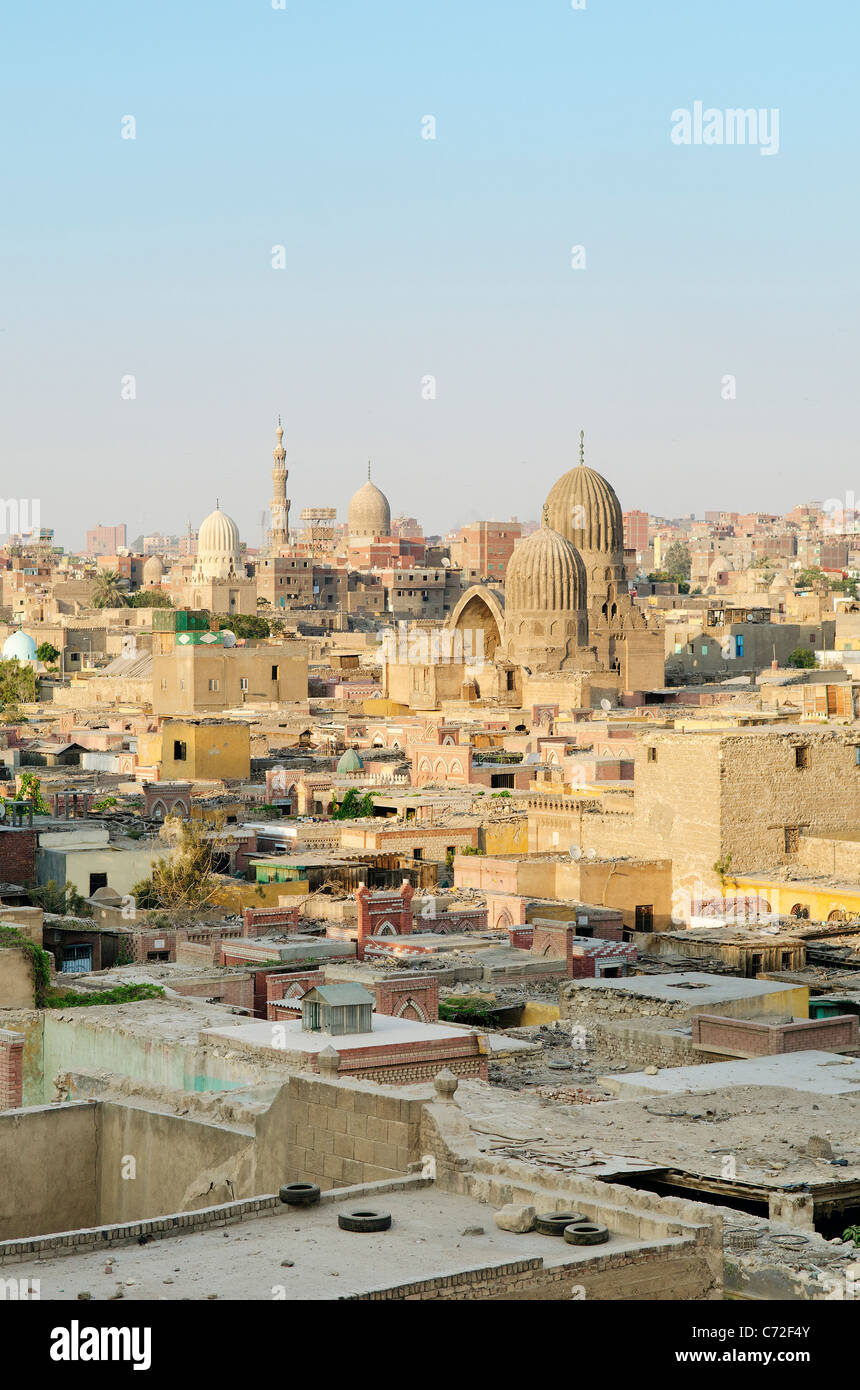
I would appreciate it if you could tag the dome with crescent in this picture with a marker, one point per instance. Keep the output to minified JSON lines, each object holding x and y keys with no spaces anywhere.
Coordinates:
{"x":369,"y":513}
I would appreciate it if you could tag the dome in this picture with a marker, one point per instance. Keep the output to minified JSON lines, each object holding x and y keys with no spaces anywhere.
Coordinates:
{"x":153,"y":570}
{"x":545,"y":574}
{"x":218,"y":546}
{"x":350,"y":762}
{"x":584,"y":507}
{"x":21,"y":645}
{"x":369,"y":513}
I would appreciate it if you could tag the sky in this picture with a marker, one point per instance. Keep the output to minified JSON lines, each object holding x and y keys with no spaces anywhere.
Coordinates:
{"x":425,"y":311}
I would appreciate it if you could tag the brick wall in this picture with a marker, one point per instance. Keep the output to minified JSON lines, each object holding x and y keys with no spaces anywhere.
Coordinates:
{"x":415,"y":996}
{"x":17,"y":855}
{"x":11,"y":1069}
{"x":405,"y":1063}
{"x":743,"y":1037}
{"x":287,"y":990}
{"x":261,"y":921}
{"x":142,"y":942}
{"x":378,"y":912}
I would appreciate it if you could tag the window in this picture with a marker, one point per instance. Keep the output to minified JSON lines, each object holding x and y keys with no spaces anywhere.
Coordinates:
{"x":214,"y":685}
{"x":652,"y":755}
{"x":243,"y":682}
{"x":791,"y":836}
{"x":739,"y":645}
{"x":179,"y":751}
{"x":801,"y":755}
{"x":644,"y":917}
{"x":704,"y":649}
{"x":97,"y":881}
{"x":275,"y":673}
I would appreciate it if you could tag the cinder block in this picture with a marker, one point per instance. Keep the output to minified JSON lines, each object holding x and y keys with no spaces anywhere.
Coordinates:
{"x":333,"y":1167}
{"x":385,"y":1156}
{"x":339,"y":1121}
{"x":344,"y":1145}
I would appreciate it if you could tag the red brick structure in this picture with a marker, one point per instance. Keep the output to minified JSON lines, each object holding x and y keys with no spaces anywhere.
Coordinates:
{"x":413,"y":996}
{"x":584,"y":957}
{"x":745,"y":1037}
{"x":260,"y":921}
{"x":284,"y":992}
{"x":17,"y":854}
{"x":505,"y":910}
{"x":163,"y":799}
{"x":404,"y":1063}
{"x":11,"y":1069}
{"x":383,"y":914}
{"x":522,"y":938}
{"x":150,"y":943}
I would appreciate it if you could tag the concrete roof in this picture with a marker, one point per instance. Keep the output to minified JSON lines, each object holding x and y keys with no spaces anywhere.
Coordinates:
{"x":289,"y":1035}
{"x":823,"y":1073}
{"x":687,"y":987}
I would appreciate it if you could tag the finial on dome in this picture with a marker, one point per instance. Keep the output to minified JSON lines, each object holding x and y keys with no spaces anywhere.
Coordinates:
{"x":582,"y":448}
{"x":368,"y":470}
{"x":545,"y":516}
{"x":217,"y":504}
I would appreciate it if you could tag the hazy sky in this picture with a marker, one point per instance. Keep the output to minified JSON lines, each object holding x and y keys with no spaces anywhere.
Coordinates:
{"x":407,"y":257}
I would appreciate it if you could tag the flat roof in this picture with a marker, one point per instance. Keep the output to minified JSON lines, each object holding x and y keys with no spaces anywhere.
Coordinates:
{"x":427,"y":1239}
{"x":686,"y":987}
{"x":823,"y":1073}
{"x":289,"y":1035}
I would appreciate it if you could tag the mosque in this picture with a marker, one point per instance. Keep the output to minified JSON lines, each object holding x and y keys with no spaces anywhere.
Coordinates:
{"x":563,"y":633}
{"x":217,"y":579}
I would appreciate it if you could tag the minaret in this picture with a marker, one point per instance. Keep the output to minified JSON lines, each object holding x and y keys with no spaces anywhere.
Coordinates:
{"x":280,"y":507}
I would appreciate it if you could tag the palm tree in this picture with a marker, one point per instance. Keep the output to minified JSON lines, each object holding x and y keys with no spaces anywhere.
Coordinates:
{"x":108,"y":591}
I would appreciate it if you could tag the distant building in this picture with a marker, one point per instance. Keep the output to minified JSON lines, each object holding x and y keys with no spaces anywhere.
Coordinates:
{"x":106,"y":540}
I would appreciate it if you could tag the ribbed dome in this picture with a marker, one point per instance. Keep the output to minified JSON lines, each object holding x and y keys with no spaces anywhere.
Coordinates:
{"x":369,"y":513}
{"x":584,"y":507}
{"x":21,"y":645}
{"x":218,"y":547}
{"x":545,"y":573}
{"x":153,"y":570}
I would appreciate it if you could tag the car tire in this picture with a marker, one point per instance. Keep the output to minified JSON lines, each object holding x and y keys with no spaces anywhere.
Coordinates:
{"x":585,"y":1233}
{"x":551,"y":1223}
{"x":364,"y":1220}
{"x":299,"y":1194}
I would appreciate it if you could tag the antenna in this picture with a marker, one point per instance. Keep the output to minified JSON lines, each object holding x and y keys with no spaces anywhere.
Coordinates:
{"x":575,"y":851}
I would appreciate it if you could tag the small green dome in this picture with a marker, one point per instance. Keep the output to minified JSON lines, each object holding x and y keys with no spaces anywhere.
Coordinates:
{"x":350,"y":762}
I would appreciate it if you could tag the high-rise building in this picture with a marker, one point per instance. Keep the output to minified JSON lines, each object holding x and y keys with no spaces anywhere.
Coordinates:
{"x":106,"y":540}
{"x":635,"y":531}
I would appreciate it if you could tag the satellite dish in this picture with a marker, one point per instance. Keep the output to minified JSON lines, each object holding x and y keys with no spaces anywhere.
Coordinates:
{"x":445,"y":563}
{"x":591,"y":854}
{"x":228,"y":638}
{"x":606,"y":704}
{"x":575,"y":852}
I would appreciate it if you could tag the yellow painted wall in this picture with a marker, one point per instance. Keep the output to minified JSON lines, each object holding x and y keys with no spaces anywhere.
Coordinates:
{"x":237,"y":896}
{"x":213,"y":750}
{"x":535,"y":1013}
{"x":507,"y":837}
{"x":782,"y":897}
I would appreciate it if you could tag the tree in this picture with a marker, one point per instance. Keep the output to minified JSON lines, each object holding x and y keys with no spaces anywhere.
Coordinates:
{"x":47,"y":652}
{"x":17,"y":682}
{"x":150,"y":598}
{"x":353,"y":806}
{"x":802,"y":658}
{"x":810,"y":578}
{"x":676,"y":561}
{"x":185,"y":878}
{"x":64,"y":902}
{"x":31,"y":790}
{"x":244,"y":624}
{"x":108,"y":591}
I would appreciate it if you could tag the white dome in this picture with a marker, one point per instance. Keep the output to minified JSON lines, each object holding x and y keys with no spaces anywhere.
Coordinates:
{"x":21,"y":645}
{"x":218,"y":553}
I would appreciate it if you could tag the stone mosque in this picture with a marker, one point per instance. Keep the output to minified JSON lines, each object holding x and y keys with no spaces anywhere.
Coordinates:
{"x":563,"y":633}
